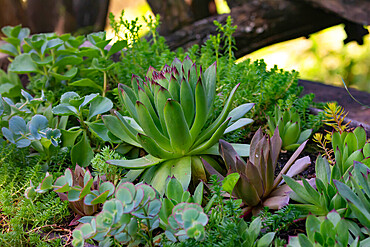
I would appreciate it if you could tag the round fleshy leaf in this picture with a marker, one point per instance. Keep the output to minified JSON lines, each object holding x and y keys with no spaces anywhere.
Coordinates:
{"x":124,"y":195}
{"x":154,"y":208}
{"x":46,"y":183}
{"x":22,"y":143}
{"x":88,"y":199}
{"x":99,"y":106}
{"x":87,"y":230}
{"x":104,"y":220}
{"x":139,"y":196}
{"x":197,"y":232}
{"x":107,"y":186}
{"x":78,"y":240}
{"x":17,"y":125}
{"x":30,"y":193}
{"x":38,"y":123}
{"x":109,"y":206}
{"x":8,"y":134}
{"x":74,"y":195}
{"x":67,"y":96}
{"x":149,"y":192}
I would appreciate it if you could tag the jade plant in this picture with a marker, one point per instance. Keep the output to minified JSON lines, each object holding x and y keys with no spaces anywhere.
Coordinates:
{"x":132,"y":214}
{"x":86,"y":109}
{"x":83,"y":191}
{"x":317,"y":196}
{"x":169,"y":113}
{"x":331,"y":231}
{"x":290,"y":130}
{"x":257,"y":185}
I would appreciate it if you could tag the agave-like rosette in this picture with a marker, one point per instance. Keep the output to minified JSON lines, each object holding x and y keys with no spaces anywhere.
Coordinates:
{"x":169,"y":110}
{"x":257,"y":185}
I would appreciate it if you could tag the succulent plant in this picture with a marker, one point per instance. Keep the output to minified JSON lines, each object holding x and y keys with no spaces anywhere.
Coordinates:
{"x":358,"y":198}
{"x":250,"y":234}
{"x":174,"y":195}
{"x":122,"y":217}
{"x":187,"y":221}
{"x":83,"y":192}
{"x":257,"y":185}
{"x":349,"y":147}
{"x":22,"y":134}
{"x":331,"y":231}
{"x":85,"y":109}
{"x":289,"y":124}
{"x":319,"y":195}
{"x":169,"y":113}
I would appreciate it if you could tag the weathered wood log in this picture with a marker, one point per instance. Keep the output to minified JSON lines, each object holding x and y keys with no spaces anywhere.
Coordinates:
{"x":11,"y":13}
{"x":259,"y":25}
{"x":354,"y":11}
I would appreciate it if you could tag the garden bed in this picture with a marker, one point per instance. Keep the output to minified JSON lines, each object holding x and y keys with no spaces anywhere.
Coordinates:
{"x":191,"y":150}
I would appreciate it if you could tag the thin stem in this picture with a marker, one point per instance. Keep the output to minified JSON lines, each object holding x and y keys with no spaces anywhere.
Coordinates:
{"x":150,"y":241}
{"x":105,"y":83}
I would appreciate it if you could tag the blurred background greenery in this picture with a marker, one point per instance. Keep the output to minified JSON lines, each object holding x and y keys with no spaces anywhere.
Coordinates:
{"x":322,"y":57}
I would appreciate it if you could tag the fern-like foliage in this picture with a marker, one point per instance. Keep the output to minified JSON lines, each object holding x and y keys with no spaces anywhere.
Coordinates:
{"x":280,"y":220}
{"x":335,"y":115}
{"x":102,"y":168}
{"x":19,"y":216}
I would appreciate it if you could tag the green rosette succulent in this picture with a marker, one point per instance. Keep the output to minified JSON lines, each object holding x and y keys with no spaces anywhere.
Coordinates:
{"x":349,"y":146}
{"x":169,"y":112}
{"x":289,"y":124}
{"x":329,"y":231}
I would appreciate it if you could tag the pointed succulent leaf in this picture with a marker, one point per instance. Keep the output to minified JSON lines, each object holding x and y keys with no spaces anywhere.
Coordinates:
{"x":238,"y":124}
{"x":187,"y":102}
{"x":289,"y":163}
{"x":240,"y":111}
{"x":120,"y":128}
{"x":220,"y":119}
{"x":299,"y":166}
{"x":144,"y":162}
{"x":291,"y":134}
{"x":174,"y":190}
{"x":200,"y":111}
{"x":229,"y":182}
{"x":153,"y":148}
{"x":174,"y":88}
{"x":177,"y":127}
{"x":209,"y":78}
{"x":82,"y":152}
{"x":149,"y":127}
{"x":304,"y":136}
